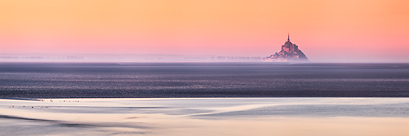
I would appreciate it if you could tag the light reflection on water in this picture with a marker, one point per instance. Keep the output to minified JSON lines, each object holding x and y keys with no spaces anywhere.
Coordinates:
{"x":206,"y":116}
{"x":181,"y":80}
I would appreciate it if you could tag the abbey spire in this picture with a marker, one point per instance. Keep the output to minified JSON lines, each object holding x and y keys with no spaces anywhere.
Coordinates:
{"x":288,"y":37}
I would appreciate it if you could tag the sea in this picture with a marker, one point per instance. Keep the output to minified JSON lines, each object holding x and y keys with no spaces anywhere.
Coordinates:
{"x":224,"y":98}
{"x":185,"y":80}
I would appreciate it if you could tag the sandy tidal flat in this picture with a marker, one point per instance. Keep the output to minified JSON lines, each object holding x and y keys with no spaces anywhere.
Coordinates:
{"x":206,"y":116}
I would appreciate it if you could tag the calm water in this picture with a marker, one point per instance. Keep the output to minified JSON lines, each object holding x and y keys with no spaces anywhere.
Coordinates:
{"x":136,"y":80}
{"x":206,"y":116}
{"x":71,"y":99}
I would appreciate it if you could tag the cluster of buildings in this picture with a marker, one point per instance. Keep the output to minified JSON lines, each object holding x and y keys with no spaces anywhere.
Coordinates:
{"x":289,"y":53}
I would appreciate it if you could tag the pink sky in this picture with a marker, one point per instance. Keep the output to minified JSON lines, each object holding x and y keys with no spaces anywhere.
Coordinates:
{"x":325,"y":30}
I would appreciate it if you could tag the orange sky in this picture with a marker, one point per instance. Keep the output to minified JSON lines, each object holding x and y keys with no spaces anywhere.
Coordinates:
{"x":325,"y":30}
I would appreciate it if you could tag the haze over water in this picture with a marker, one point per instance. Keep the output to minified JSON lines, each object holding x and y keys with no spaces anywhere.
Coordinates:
{"x":77,"y":96}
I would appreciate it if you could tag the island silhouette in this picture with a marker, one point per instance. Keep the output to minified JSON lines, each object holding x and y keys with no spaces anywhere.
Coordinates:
{"x":289,"y":53}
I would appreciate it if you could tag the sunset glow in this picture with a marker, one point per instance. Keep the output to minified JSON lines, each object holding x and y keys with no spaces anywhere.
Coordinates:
{"x":325,"y":30}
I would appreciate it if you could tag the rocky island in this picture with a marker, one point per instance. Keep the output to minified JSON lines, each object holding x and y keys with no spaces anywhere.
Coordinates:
{"x":289,"y":53}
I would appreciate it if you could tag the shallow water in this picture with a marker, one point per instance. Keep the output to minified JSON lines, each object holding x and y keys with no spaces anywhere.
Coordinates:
{"x":239,"y":99}
{"x":206,"y":116}
{"x":153,"y":80}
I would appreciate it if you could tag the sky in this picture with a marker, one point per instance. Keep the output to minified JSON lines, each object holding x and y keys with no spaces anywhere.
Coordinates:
{"x":325,"y":30}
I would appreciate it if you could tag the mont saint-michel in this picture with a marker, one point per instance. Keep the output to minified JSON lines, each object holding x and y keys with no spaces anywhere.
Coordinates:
{"x":289,"y":53}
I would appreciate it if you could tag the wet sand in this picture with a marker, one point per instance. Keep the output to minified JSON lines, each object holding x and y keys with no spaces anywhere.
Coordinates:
{"x":206,"y":116}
